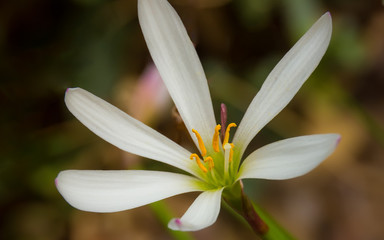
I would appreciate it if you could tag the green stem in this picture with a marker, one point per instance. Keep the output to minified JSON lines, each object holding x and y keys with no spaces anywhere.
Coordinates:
{"x":275,"y":230}
{"x":164,"y":215}
{"x":261,"y":223}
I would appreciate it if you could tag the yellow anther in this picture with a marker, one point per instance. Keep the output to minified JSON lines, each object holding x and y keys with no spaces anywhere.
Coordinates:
{"x":216,"y":138}
{"x":201,"y":143}
{"x":231,"y":152}
{"x":226,"y":137}
{"x":210,"y":162}
{"x":194,"y":156}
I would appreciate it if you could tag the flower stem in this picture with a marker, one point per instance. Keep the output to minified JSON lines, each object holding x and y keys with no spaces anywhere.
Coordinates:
{"x":261,"y":223}
{"x":164,"y":215}
{"x":275,"y":230}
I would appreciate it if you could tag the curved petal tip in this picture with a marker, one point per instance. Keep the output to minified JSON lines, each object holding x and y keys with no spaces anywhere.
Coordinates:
{"x":175,"y":224}
{"x":338,"y":140}
{"x":201,"y":214}
{"x":289,"y":158}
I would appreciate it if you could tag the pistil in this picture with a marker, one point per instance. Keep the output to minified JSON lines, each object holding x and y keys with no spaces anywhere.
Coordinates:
{"x":227,"y":156}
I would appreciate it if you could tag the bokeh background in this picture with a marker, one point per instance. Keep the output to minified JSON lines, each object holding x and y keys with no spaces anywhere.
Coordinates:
{"x":47,"y":46}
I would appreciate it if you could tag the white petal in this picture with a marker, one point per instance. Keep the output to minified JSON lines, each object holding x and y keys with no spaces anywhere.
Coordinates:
{"x":111,"y":191}
{"x":289,"y":158}
{"x":285,"y":80}
{"x":201,"y":214}
{"x":125,"y":132}
{"x":178,"y":64}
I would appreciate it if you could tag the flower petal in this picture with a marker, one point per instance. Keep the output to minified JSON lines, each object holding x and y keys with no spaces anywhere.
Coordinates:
{"x":289,"y":158}
{"x":125,"y":132}
{"x":284,"y":81}
{"x":111,"y":191}
{"x":201,"y":214}
{"x":178,"y":64}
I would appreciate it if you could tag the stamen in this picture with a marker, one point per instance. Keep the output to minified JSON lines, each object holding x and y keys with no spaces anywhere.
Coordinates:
{"x":201,"y":143}
{"x":215,"y":140}
{"x":210,"y":162}
{"x":194,"y":156}
{"x":209,"y":159}
{"x":226,"y":137}
{"x":231,"y":152}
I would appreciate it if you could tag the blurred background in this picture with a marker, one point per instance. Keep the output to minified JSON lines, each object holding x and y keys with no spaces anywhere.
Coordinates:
{"x":48,"y":46}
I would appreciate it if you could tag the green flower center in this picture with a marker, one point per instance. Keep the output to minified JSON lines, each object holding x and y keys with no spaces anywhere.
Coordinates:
{"x":216,"y":164}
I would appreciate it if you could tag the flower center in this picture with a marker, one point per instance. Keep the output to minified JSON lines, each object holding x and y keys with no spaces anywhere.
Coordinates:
{"x":216,"y":164}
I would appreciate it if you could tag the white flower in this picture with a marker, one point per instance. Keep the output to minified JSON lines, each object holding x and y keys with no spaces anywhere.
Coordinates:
{"x":218,"y":164}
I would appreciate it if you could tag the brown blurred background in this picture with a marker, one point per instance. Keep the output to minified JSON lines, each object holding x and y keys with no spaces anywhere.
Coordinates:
{"x":48,"y":46}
